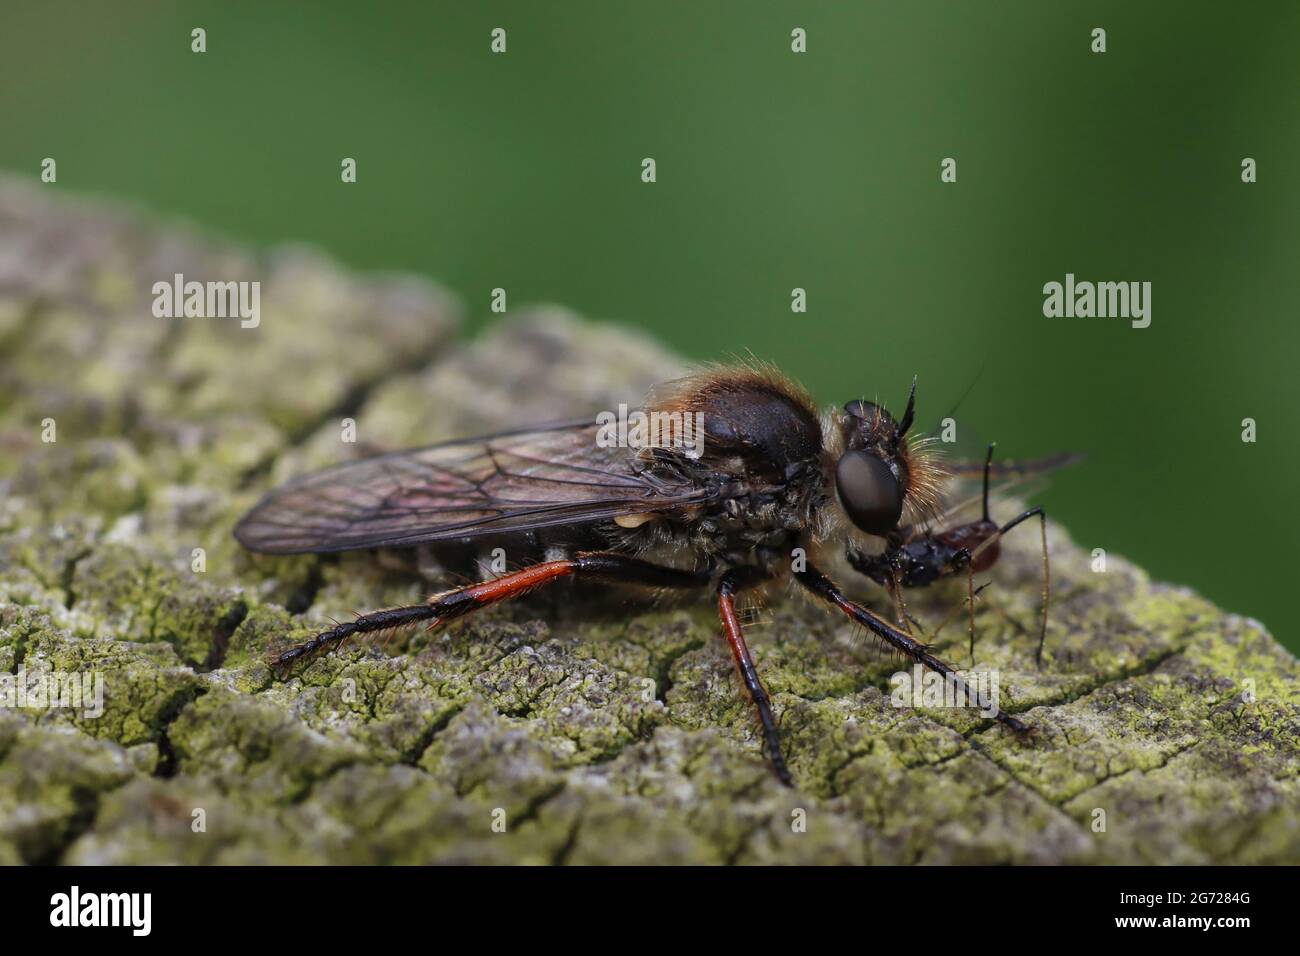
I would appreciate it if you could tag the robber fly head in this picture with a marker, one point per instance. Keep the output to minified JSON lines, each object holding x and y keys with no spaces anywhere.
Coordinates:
{"x":879,"y":473}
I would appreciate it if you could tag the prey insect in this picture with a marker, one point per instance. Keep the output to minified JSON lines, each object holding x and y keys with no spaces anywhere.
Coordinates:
{"x":726,"y":515}
{"x":915,"y":557}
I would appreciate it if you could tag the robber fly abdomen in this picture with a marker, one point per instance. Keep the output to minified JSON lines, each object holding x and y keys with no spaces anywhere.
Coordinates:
{"x":725,"y":514}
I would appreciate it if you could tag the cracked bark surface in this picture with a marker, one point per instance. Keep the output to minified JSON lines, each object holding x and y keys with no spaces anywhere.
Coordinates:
{"x":600,"y":731}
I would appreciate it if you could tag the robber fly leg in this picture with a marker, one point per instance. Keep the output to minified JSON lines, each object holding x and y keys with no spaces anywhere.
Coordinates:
{"x":378,"y":621}
{"x":828,"y":591}
{"x":461,"y":601}
{"x":731,"y":582}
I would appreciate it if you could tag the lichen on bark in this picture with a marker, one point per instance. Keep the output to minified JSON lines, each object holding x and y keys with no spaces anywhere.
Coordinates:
{"x":553,"y":731}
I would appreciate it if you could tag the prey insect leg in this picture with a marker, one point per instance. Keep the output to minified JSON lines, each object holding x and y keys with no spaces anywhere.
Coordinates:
{"x":900,"y":606}
{"x":731,"y":582}
{"x":970,"y":599}
{"x":953,"y":612}
{"x":828,"y":591}
{"x":1047,"y":570}
{"x":461,"y":601}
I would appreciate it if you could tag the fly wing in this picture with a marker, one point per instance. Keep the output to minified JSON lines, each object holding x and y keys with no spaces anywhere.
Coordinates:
{"x":511,"y":482}
{"x":1023,"y":478}
{"x":1004,"y":470}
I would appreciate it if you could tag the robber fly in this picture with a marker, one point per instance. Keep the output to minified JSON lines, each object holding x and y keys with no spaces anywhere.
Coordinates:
{"x":770,"y":476}
{"x":916,"y":557}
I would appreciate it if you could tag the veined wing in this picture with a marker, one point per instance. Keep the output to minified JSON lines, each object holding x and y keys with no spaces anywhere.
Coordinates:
{"x":516,"y":481}
{"x":965,"y":491}
{"x":1007,"y":470}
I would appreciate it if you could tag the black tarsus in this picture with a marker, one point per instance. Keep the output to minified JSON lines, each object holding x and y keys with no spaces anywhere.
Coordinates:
{"x":375,"y":621}
{"x":731,"y":582}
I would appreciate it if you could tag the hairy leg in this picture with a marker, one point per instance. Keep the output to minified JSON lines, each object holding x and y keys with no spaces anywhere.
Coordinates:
{"x":828,"y":591}
{"x":731,"y":582}
{"x":449,"y":605}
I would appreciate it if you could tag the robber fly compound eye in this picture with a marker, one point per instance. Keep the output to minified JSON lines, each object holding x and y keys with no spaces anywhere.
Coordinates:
{"x":869,"y":492}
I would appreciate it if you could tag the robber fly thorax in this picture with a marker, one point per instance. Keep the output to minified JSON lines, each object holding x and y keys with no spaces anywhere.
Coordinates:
{"x":778,"y":474}
{"x":772,"y":479}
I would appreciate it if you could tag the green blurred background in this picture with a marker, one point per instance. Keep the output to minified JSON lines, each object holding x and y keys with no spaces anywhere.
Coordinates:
{"x":778,"y":170}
